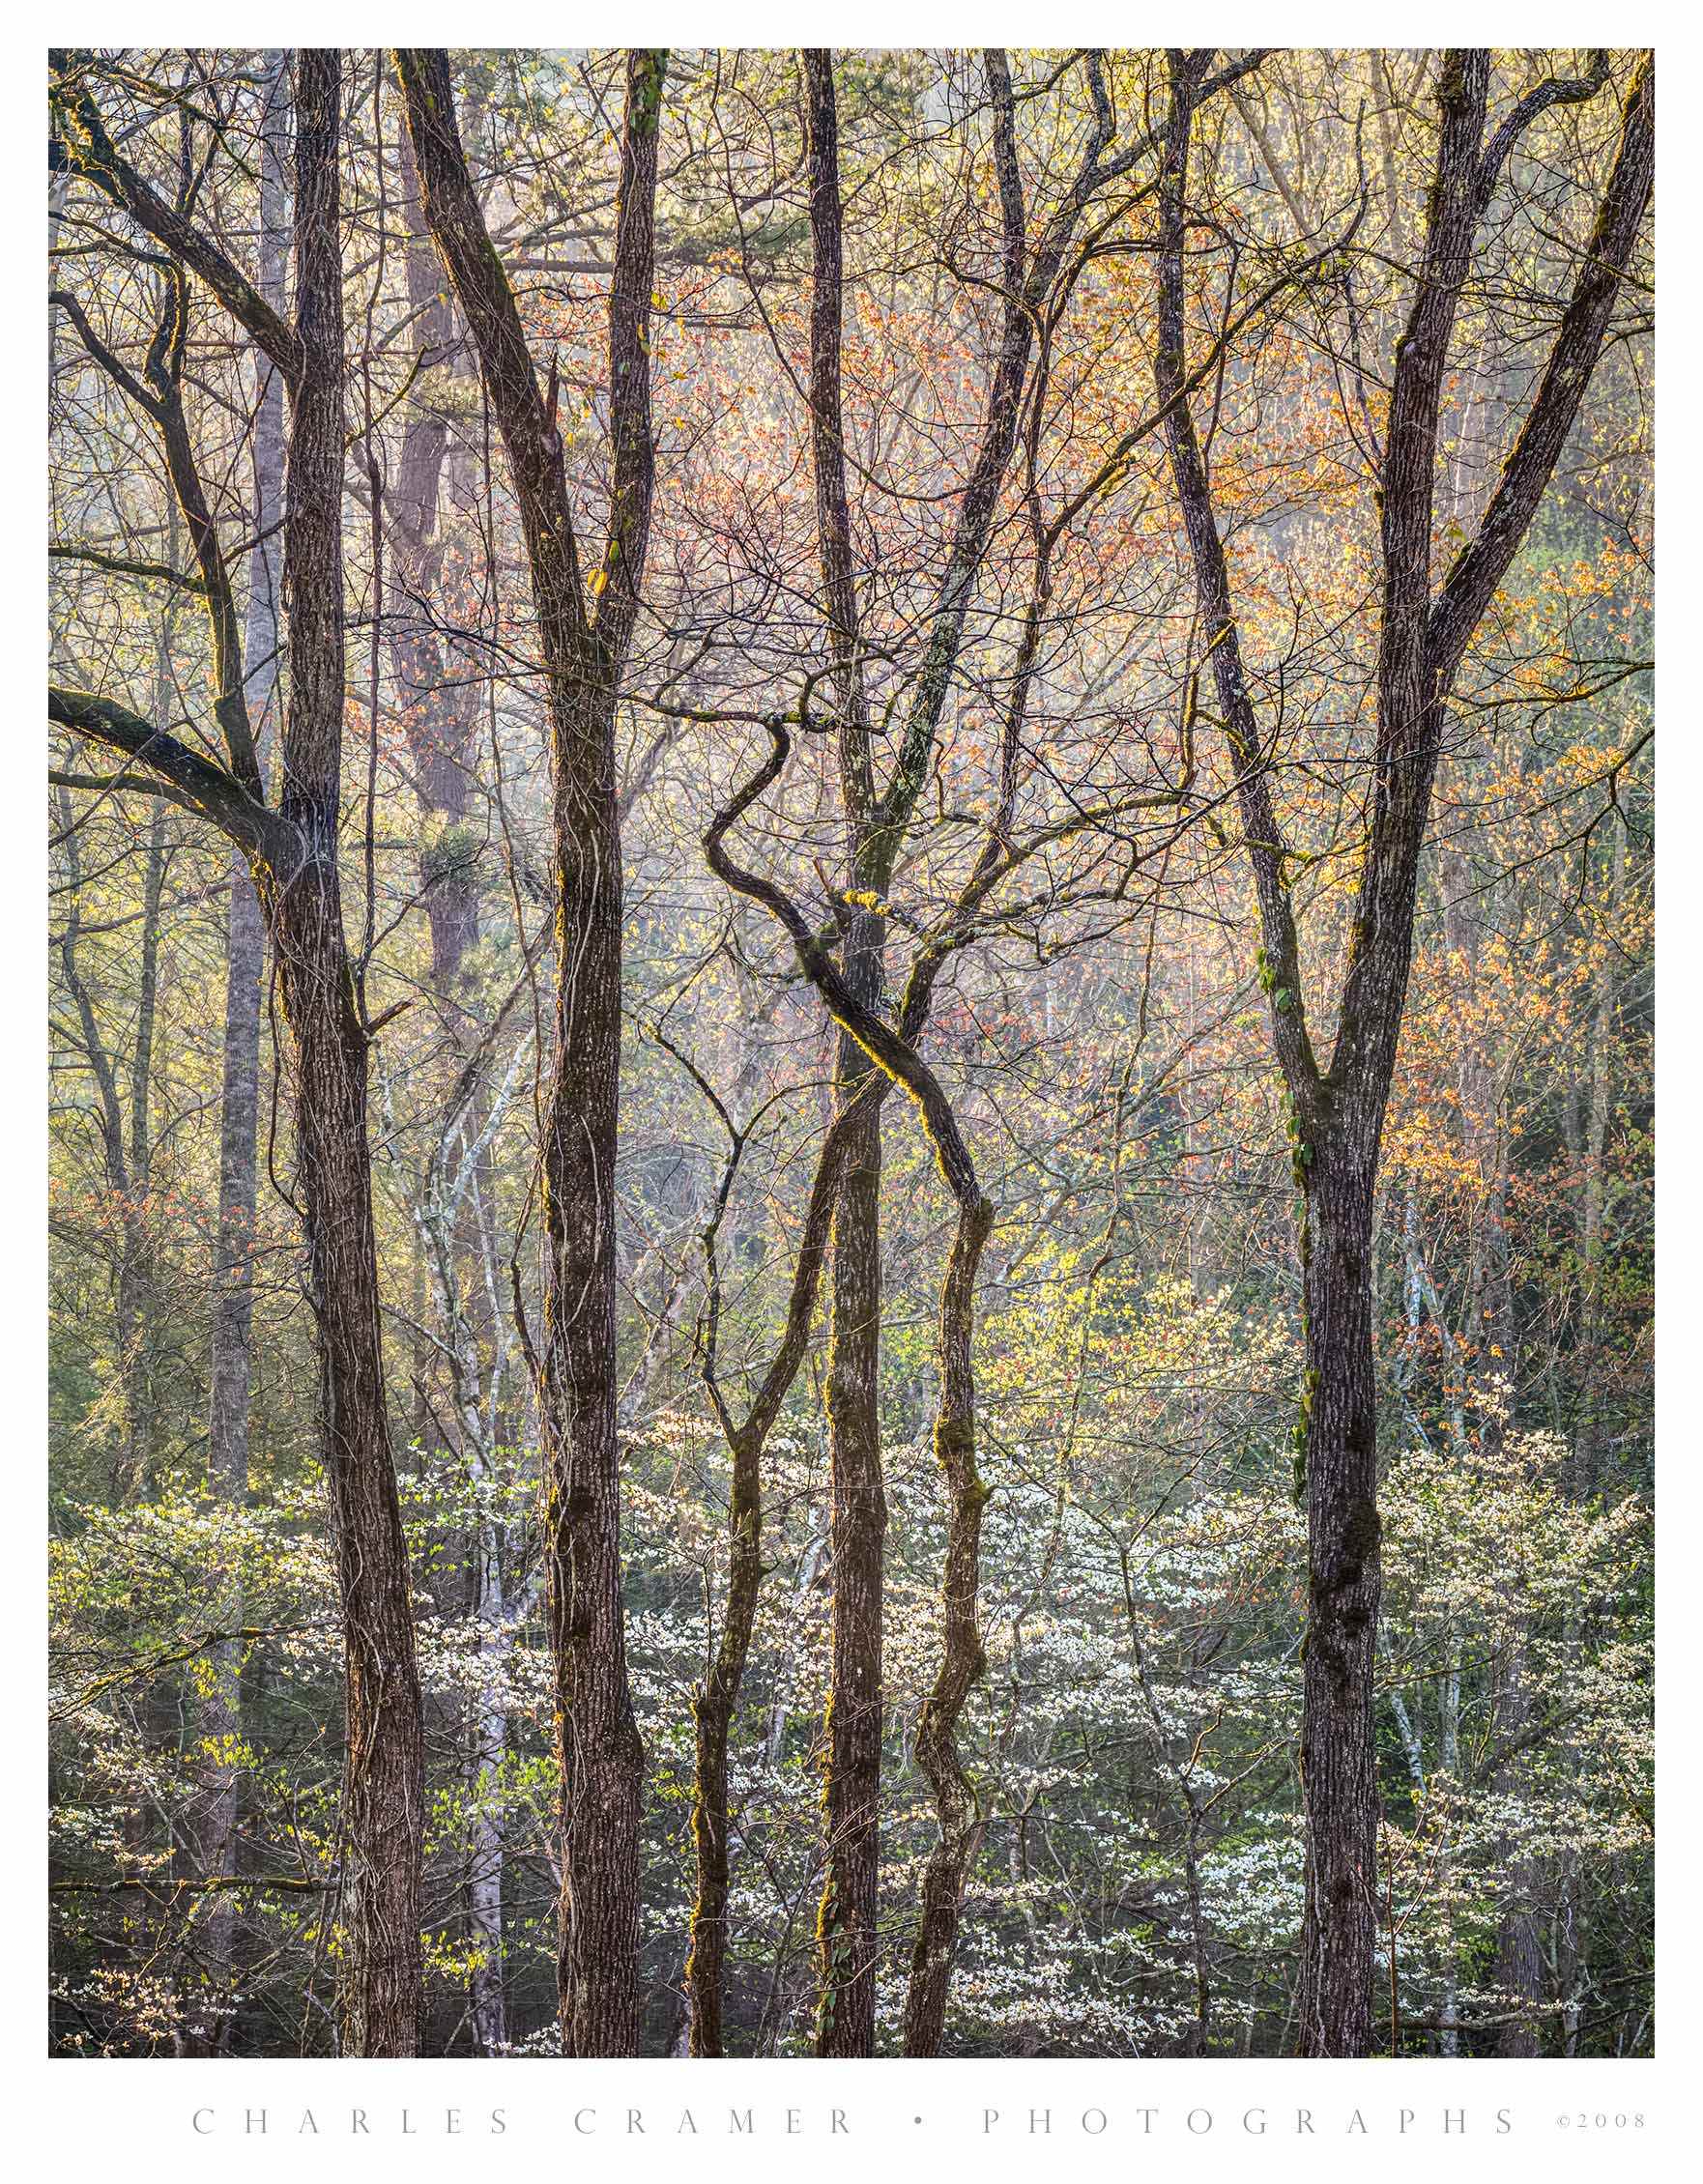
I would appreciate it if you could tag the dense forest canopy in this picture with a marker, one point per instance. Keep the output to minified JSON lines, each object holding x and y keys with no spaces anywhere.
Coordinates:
{"x":850,"y":1024}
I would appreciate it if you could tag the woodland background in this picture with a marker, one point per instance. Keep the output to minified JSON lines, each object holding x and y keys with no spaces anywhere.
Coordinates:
{"x":910,"y":329}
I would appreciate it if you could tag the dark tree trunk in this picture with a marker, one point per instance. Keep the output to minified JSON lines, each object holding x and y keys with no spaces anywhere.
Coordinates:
{"x":602,"y":1761}
{"x":1335,"y":1116}
{"x":713,"y":1713}
{"x":294,"y":856}
{"x":1339,"y":1767}
{"x":845,"y":1920}
{"x":384,"y":1812}
{"x":846,"y":1917}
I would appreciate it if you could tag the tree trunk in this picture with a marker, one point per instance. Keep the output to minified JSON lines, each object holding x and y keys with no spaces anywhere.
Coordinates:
{"x":601,"y":1759}
{"x":233,"y":1263}
{"x":439,"y":693}
{"x":845,"y":1915}
{"x":712,"y":1712}
{"x":438,"y":686}
{"x":485,"y":1848}
{"x":1339,"y":1773}
{"x":233,"y":1273}
{"x":715,"y":1703}
{"x":890,"y":1053}
{"x":138,"y":1274}
{"x":876,"y":824}
{"x":383,"y":1810}
{"x":1336,"y":1115}
{"x":961,"y":1660}
{"x":846,"y":1919}
{"x":294,"y":855}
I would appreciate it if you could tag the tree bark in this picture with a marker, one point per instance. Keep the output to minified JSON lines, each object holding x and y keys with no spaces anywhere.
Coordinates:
{"x":846,"y":1914}
{"x":384,"y":1810}
{"x":601,"y":1758}
{"x":962,"y":1659}
{"x":1338,"y":1747}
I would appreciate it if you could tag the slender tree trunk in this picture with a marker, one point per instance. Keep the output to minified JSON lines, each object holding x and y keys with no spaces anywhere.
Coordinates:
{"x":233,"y":1264}
{"x":712,"y":1712}
{"x":715,"y":1703}
{"x":439,"y":694}
{"x":383,"y":1804}
{"x":438,"y":686}
{"x":1419,"y":1290}
{"x":1584,"y":1472}
{"x":139,"y":1274}
{"x":601,"y":1758}
{"x":892,"y":1053}
{"x":961,"y":1660}
{"x":486,"y":1846}
{"x":452,"y":1176}
{"x":233,"y":1309}
{"x":845,"y":1915}
{"x":876,"y":829}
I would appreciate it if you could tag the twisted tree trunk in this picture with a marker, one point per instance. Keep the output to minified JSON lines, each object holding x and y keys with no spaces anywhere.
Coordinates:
{"x":961,"y":1660}
{"x":892,"y":1051}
